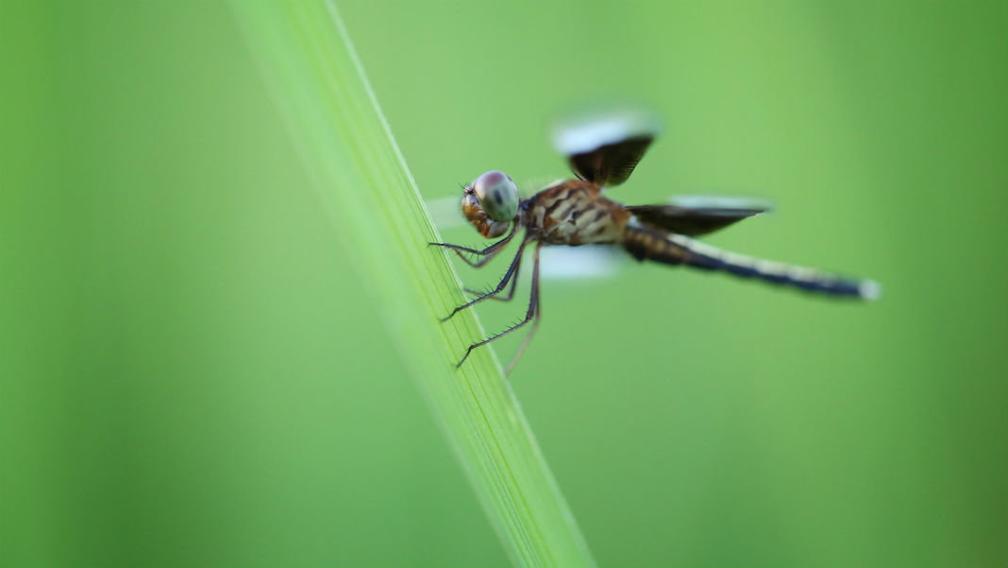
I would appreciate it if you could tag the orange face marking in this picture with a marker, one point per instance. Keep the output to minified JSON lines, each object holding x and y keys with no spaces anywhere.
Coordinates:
{"x":479,"y":219}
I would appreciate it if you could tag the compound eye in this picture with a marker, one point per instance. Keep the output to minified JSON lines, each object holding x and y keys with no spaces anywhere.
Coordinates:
{"x":497,"y":194}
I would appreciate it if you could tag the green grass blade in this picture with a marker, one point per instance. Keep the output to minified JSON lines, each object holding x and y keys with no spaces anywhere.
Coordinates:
{"x":346,"y":146}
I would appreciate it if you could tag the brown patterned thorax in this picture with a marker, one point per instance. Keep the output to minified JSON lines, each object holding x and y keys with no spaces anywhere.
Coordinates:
{"x":574,"y":212}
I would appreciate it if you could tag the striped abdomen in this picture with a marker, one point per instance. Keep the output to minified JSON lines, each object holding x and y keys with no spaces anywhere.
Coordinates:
{"x":645,"y":243}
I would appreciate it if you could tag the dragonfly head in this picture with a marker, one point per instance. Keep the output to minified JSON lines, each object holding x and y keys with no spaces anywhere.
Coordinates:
{"x":490,"y":203}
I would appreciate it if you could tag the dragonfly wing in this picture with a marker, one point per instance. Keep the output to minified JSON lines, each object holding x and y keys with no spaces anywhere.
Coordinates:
{"x":605,"y":149}
{"x":581,"y":263}
{"x":610,"y":164}
{"x":694,"y":216}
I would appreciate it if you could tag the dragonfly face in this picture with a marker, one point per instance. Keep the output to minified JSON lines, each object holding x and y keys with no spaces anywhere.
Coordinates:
{"x":603,"y":154}
{"x":490,"y":203}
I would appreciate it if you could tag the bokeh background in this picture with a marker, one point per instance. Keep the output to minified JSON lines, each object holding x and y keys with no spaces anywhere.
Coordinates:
{"x":188,"y":375}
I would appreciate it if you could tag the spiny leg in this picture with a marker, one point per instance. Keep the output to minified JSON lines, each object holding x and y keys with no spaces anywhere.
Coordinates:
{"x":533,"y":308}
{"x":496,"y":296}
{"x":480,"y":252}
{"x":511,"y":271}
{"x":537,"y":317}
{"x":486,"y":255}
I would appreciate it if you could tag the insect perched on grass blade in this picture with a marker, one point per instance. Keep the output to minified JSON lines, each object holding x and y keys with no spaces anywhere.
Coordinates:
{"x":573,"y":212}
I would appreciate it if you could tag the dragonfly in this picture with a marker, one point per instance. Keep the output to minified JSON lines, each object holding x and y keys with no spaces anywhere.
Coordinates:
{"x":603,"y":153}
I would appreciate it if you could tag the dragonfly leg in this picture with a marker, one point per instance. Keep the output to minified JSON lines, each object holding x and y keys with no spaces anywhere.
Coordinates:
{"x":530,"y":314}
{"x":485,"y":255}
{"x":496,"y":296}
{"x":537,"y":316}
{"x":511,"y":271}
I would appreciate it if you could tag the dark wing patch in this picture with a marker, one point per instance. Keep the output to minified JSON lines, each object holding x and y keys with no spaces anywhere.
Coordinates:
{"x":604,"y":147}
{"x":692,"y":221}
{"x":611,"y":164}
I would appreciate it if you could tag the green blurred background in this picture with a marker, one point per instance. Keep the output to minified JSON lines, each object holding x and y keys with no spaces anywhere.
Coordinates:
{"x":188,"y":375}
